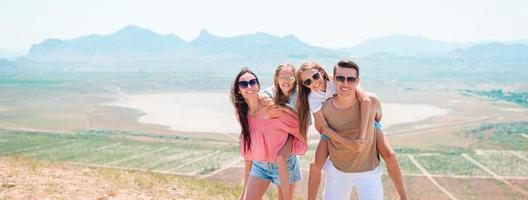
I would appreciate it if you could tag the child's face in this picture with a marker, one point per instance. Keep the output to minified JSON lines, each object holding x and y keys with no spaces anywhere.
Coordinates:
{"x":312,"y":79}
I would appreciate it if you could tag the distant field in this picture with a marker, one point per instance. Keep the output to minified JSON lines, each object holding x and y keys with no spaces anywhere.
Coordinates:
{"x":168,"y":155}
{"x":221,"y":162}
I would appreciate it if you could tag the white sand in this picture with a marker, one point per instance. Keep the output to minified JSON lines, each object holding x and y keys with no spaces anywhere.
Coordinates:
{"x":190,"y":112}
{"x":213,"y":112}
{"x":396,"y":113}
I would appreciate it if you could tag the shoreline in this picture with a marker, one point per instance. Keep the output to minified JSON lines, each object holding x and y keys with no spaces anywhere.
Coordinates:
{"x":212,"y":112}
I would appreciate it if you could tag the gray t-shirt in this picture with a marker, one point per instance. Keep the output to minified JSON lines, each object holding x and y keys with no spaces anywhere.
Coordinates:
{"x":270,"y":92}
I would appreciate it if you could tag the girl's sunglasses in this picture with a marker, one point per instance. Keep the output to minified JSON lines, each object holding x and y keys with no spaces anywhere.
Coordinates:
{"x":245,"y":84}
{"x":349,"y":79}
{"x":309,"y":81}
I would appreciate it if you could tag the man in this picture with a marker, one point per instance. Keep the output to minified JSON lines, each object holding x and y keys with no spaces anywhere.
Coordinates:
{"x":347,"y":168}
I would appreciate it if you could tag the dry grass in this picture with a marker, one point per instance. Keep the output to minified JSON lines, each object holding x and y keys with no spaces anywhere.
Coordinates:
{"x":22,"y":178}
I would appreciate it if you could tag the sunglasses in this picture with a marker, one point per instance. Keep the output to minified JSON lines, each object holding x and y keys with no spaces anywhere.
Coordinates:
{"x":309,"y":81}
{"x":286,"y":78}
{"x":349,"y":79}
{"x":245,"y":84}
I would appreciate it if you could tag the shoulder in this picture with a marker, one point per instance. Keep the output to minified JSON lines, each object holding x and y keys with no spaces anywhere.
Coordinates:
{"x":316,"y":98}
{"x":327,"y":104}
{"x":315,"y":101}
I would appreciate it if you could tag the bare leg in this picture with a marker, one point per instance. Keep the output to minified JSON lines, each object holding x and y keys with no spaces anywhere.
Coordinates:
{"x":314,"y":179}
{"x":282,"y":163}
{"x":292,"y":190}
{"x":256,"y":188}
{"x":365,"y":103}
{"x":387,"y":153}
{"x":247,"y":169}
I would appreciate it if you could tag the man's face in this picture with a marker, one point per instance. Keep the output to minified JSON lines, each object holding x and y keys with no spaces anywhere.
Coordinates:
{"x":346,"y":80}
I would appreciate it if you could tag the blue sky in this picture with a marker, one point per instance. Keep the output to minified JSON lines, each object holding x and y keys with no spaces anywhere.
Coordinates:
{"x":329,"y":23}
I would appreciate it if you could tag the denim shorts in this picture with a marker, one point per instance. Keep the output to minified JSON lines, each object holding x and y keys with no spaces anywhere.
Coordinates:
{"x":270,"y":170}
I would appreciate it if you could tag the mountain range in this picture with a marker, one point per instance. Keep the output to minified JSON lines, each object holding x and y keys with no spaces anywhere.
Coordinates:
{"x":132,"y":48}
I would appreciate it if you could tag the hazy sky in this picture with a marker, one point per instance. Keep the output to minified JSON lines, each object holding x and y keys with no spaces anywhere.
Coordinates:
{"x":327,"y":23}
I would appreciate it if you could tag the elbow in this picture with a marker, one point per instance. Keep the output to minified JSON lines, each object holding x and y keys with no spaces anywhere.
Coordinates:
{"x":390,"y":158}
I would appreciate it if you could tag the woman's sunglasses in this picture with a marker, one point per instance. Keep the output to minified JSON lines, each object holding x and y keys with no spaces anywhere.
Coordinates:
{"x":309,"y":81}
{"x":245,"y":84}
{"x":349,"y":79}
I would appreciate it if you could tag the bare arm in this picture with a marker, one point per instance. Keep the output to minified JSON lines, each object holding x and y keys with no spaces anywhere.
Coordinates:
{"x":365,"y":102}
{"x":322,"y":126}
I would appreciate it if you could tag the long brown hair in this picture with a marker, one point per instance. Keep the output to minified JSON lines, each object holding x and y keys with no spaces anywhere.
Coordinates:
{"x":303,"y":107}
{"x":279,"y":97}
{"x":241,"y":106}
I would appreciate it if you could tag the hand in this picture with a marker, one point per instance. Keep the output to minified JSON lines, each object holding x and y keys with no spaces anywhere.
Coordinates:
{"x":264,"y":99}
{"x":356,"y":145}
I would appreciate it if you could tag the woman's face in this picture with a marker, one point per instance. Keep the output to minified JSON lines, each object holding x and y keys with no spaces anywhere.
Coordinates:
{"x":248,"y":85}
{"x":312,"y":79}
{"x":286,"y":80}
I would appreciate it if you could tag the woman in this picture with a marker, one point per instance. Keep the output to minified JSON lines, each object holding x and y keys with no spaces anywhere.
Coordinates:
{"x":314,"y":88}
{"x":266,"y":130}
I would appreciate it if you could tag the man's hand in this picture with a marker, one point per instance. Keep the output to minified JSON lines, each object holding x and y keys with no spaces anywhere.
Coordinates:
{"x":356,"y":145}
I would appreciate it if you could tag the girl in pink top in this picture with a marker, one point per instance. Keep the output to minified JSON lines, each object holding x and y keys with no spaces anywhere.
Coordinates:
{"x":268,"y":133}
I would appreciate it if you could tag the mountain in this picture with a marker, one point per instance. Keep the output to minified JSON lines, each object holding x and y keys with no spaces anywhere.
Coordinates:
{"x":255,"y":44}
{"x":493,"y":50}
{"x":135,"y":47}
{"x":403,"y":45}
{"x":7,"y":68}
{"x":130,"y":39}
{"x":6,"y":64}
{"x":525,"y":41}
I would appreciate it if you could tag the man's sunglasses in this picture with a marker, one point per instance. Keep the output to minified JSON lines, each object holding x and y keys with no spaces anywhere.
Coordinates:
{"x":245,"y":84}
{"x":309,"y":81}
{"x":349,"y":79}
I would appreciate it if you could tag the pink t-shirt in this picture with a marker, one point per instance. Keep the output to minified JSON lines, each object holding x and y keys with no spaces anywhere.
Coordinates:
{"x":269,"y":135}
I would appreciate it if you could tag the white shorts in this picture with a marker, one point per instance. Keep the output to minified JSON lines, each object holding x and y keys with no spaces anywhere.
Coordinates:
{"x":338,"y":184}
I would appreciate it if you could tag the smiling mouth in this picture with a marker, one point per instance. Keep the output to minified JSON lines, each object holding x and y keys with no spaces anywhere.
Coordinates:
{"x":344,"y":89}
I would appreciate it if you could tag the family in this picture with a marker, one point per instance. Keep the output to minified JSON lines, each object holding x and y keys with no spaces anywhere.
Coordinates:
{"x":274,"y":123}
